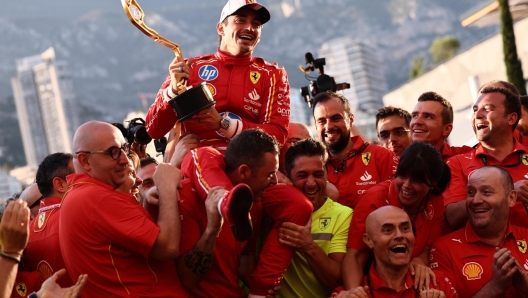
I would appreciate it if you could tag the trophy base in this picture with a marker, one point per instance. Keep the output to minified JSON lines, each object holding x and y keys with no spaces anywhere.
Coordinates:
{"x":192,"y":101}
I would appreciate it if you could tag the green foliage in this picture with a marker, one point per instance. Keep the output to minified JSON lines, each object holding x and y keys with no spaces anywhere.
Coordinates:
{"x":511,"y":59}
{"x":444,"y":48}
{"x":418,"y":67}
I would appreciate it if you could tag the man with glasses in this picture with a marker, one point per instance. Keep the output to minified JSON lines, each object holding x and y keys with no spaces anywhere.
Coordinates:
{"x":109,"y":236}
{"x":392,"y":125}
{"x":353,"y":165}
{"x":43,"y":249}
{"x":432,"y":122}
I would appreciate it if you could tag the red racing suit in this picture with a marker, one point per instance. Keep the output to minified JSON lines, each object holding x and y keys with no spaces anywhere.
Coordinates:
{"x":250,"y":91}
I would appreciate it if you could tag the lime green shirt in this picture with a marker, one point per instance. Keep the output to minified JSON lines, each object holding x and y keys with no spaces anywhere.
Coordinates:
{"x":330,"y":226}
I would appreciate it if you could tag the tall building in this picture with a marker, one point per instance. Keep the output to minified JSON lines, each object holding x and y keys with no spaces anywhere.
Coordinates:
{"x":45,"y":103}
{"x":359,"y":64}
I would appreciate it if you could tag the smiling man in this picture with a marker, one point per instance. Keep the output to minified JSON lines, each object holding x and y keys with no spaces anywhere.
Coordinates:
{"x":353,"y":164}
{"x":495,"y":117}
{"x":487,"y":257}
{"x":392,"y":125}
{"x":389,"y":233}
{"x":432,"y":122}
{"x":319,"y":247}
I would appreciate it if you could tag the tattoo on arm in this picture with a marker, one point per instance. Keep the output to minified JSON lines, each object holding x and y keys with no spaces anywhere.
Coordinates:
{"x":198,"y":261}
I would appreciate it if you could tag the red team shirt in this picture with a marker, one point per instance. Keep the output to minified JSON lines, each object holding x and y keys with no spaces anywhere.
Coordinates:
{"x":26,"y":283}
{"x":246,"y":89}
{"x":372,"y":165}
{"x":108,"y":235}
{"x":222,"y":278}
{"x":378,"y":287}
{"x":43,"y":249}
{"x":450,"y":151}
{"x":467,"y":260}
{"x":427,"y":223}
{"x":516,"y":164}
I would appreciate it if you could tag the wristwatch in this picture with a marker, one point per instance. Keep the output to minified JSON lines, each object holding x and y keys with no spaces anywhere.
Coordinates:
{"x":33,"y":295}
{"x":225,"y":123}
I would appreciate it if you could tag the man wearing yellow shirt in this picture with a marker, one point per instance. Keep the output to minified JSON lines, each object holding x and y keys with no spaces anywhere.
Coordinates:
{"x":319,"y":246}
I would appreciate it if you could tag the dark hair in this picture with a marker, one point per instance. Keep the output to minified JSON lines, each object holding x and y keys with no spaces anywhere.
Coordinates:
{"x":524,"y":101}
{"x":389,"y":111}
{"x":422,"y":162}
{"x":145,"y":161}
{"x":326,"y":96}
{"x":53,"y":165}
{"x":249,"y":147}
{"x":512,"y":103}
{"x":511,"y":87}
{"x":447,"y":112}
{"x":306,"y":147}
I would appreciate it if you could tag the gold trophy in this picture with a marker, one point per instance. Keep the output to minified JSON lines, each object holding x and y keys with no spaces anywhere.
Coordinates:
{"x":190,"y":100}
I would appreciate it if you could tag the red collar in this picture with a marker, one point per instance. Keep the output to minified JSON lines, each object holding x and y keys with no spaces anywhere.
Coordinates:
{"x":229,"y":60}
{"x":472,"y":237}
{"x":376,"y":282}
{"x":49,"y":203}
{"x":516,"y":147}
{"x":75,"y":179}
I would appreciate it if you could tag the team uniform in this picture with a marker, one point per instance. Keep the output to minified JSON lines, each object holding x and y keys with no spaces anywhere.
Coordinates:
{"x":222,"y":278}
{"x":282,"y":203}
{"x":108,"y":235}
{"x":43,"y":249}
{"x":467,"y":260}
{"x":378,"y":287}
{"x":250,"y":91}
{"x":428,"y":223}
{"x":516,"y":164}
{"x":450,"y":151}
{"x":330,"y":225}
{"x":26,"y":283}
{"x":520,"y":138}
{"x":364,"y":166}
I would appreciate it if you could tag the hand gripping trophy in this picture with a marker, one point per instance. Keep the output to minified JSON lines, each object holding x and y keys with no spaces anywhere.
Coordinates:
{"x":190,"y":100}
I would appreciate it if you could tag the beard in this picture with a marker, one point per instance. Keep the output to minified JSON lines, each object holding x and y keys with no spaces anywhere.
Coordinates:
{"x":338,"y":146}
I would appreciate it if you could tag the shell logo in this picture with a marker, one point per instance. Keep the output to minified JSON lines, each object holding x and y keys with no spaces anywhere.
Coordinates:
{"x":472,"y":270}
{"x":44,"y":270}
{"x":211,"y":88}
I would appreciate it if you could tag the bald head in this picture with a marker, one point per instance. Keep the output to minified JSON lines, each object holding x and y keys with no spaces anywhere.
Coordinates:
{"x":296,"y":132}
{"x":30,"y":195}
{"x":380,"y":215}
{"x":93,"y":143}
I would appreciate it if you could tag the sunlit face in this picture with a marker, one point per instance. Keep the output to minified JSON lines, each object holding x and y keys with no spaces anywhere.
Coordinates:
{"x":145,"y":174}
{"x":264,"y":176}
{"x":333,"y":124}
{"x":490,"y":120}
{"x":411,"y":193}
{"x":487,"y":203}
{"x":309,"y":176}
{"x":427,"y":124}
{"x":132,"y":181}
{"x":240,"y":32}
{"x":392,"y":240}
{"x":393,"y":134}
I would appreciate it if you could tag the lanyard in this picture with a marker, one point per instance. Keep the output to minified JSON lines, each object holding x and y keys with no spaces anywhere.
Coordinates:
{"x":485,"y":161}
{"x":341,"y":167}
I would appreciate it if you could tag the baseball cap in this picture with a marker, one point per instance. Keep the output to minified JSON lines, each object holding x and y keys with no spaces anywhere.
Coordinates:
{"x":233,"y":5}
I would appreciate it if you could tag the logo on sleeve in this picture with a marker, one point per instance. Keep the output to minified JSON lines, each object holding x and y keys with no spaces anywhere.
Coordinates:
{"x":365,"y":157}
{"x":254,"y":76}
{"x":472,"y":271}
{"x":525,"y":159}
{"x":208,"y":73}
{"x":324,"y":222}
{"x":21,"y":289}
{"x":41,"y":219}
{"x":521,"y":244}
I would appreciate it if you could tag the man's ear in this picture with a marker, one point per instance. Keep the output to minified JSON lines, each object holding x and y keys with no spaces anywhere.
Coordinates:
{"x":84,"y":161}
{"x":60,"y":185}
{"x":367,"y":241}
{"x":447,"y":130}
{"x":244,"y":172}
{"x":220,"y":28}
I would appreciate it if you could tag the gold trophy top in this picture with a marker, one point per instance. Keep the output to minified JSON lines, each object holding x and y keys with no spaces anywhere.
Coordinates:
{"x":136,"y":15}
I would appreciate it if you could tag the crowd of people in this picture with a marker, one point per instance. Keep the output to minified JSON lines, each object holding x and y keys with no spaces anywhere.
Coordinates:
{"x":247,"y":204}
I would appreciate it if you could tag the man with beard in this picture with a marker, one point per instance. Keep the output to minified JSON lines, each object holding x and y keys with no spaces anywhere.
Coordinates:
{"x":495,"y":117}
{"x":432,"y":122}
{"x":353,"y":165}
{"x":465,"y":256}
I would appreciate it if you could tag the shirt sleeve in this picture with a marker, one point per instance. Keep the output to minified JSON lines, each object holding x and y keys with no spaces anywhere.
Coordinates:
{"x":130,"y":228}
{"x":161,"y":118}
{"x":456,"y":190}
{"x":340,"y":238}
{"x":275,"y":110}
{"x":387,"y":166}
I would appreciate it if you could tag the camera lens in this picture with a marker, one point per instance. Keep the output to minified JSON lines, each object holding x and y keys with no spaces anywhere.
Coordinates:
{"x":140,"y":135}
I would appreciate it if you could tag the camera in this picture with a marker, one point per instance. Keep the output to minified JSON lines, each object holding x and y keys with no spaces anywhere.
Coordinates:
{"x":322,"y":83}
{"x":135,"y":131}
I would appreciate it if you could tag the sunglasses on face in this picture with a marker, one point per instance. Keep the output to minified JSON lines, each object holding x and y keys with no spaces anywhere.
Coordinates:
{"x":399,"y":132}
